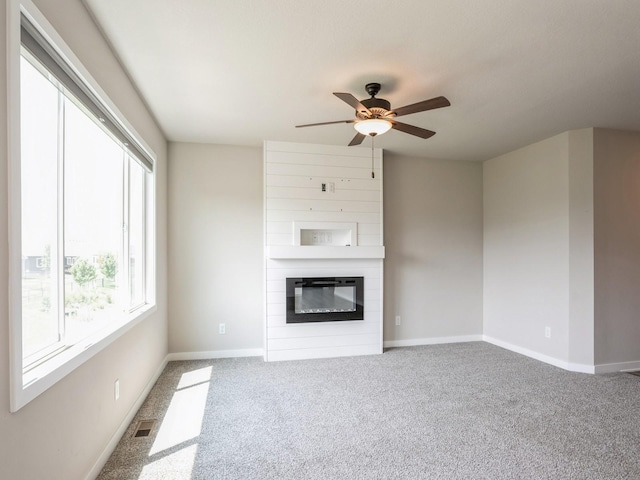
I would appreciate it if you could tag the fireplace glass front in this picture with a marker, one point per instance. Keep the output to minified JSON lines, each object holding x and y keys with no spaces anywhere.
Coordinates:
{"x":325,"y":299}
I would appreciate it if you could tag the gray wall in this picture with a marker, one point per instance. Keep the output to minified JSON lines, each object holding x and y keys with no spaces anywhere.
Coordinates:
{"x":562,"y":226}
{"x":215,"y":247}
{"x":617,"y":246}
{"x":581,"y":274}
{"x":61,"y":433}
{"x":433,"y":239}
{"x":526,"y":247}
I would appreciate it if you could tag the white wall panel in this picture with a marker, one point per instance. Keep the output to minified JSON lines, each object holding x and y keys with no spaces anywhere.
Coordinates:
{"x":324,"y":352}
{"x":318,"y":216}
{"x":311,"y":182}
{"x":371,"y":320}
{"x":275,"y":286}
{"x":279,"y":228}
{"x":281,"y":239}
{"x":321,"y":171}
{"x":369,"y":240}
{"x":316,"y":193}
{"x":307,"y":149}
{"x":323,"y":205}
{"x":317,"y":329}
{"x":339,"y":340}
{"x":297,"y":158}
{"x":370,"y":229}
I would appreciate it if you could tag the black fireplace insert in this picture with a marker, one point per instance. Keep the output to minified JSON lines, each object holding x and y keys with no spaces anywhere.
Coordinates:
{"x":325,"y":299}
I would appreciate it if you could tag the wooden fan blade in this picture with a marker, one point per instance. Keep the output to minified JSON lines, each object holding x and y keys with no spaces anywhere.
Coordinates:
{"x":412,"y":130}
{"x":324,"y":123}
{"x":437,"y":102}
{"x":353,"y":101}
{"x":357,"y":140}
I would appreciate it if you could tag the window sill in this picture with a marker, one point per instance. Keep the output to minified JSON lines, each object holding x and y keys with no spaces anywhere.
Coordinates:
{"x":40,"y":378}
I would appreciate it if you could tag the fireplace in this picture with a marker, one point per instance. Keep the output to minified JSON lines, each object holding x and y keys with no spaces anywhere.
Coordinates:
{"x":325,"y":299}
{"x":335,"y":234}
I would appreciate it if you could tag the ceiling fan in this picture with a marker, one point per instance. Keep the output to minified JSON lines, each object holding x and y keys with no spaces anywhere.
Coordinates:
{"x":374,"y":116}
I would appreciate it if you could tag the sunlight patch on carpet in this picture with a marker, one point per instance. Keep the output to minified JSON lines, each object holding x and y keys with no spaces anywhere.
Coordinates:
{"x":183,"y":420}
{"x":177,"y":465}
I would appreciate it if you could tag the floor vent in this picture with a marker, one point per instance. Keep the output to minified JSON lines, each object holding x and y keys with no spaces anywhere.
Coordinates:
{"x":144,"y":428}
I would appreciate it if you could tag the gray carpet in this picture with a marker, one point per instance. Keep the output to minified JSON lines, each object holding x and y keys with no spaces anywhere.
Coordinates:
{"x":459,"y":411}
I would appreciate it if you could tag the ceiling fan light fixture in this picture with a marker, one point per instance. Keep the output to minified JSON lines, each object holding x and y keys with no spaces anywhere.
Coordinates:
{"x":373,"y":126}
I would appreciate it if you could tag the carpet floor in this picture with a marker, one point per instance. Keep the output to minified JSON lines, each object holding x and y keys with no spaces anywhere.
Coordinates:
{"x":457,"y":411}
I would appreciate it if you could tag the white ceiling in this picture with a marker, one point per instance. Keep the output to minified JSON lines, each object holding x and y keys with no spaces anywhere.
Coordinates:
{"x":516,"y":71}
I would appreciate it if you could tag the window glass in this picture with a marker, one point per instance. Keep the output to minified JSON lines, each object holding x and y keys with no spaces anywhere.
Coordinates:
{"x":39,"y":198}
{"x":136,"y":233}
{"x":93,"y":220}
{"x":83,"y":219}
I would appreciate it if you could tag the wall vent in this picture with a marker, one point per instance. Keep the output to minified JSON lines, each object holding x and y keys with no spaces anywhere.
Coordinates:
{"x":144,"y":428}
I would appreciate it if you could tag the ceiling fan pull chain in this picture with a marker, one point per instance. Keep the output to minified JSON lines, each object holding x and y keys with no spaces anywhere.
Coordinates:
{"x":373,"y":175}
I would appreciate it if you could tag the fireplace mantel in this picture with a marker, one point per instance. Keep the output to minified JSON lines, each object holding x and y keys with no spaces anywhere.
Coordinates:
{"x":323,"y":252}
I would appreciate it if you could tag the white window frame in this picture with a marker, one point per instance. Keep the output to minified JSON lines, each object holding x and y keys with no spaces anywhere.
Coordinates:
{"x":25,"y":388}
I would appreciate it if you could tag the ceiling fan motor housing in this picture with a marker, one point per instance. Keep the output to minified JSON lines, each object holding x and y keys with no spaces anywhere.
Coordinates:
{"x":371,"y":103}
{"x":379,"y":107}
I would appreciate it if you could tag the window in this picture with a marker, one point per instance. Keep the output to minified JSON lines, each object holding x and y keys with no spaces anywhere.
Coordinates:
{"x":85,"y":220}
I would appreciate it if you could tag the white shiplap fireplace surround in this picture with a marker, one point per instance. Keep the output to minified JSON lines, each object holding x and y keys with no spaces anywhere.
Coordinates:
{"x":323,"y":218}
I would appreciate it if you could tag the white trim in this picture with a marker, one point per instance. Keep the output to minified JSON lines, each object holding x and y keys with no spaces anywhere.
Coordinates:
{"x":618,"y":367}
{"x":265,"y":256}
{"x":213,"y":354}
{"x":556,"y":362}
{"x":581,"y":368}
{"x":15,"y":238}
{"x":432,"y":341}
{"x":381,"y":287}
{"x":117,"y":436}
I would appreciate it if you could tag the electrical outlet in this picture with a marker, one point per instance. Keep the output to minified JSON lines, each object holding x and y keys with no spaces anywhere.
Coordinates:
{"x":222,"y":329}
{"x":397,"y":320}
{"x":547,"y":332}
{"x":116,"y":389}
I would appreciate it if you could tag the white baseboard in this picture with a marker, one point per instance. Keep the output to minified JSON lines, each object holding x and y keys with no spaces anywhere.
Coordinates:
{"x":432,"y":341}
{"x":247,"y":352}
{"x":115,"y":439}
{"x":556,"y":362}
{"x":618,"y":367}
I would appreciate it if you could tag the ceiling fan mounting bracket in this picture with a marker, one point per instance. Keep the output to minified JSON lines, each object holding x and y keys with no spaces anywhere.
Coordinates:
{"x":372,"y":89}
